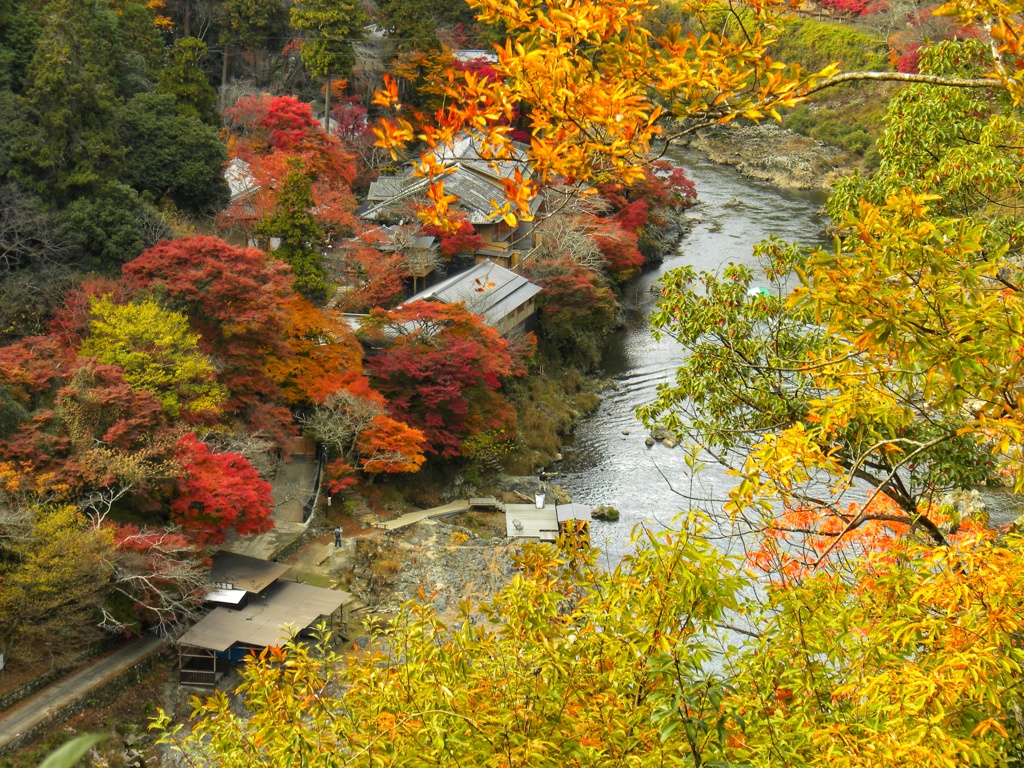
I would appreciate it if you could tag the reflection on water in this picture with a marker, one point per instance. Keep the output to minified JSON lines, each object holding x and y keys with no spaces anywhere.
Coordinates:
{"x":607,"y":461}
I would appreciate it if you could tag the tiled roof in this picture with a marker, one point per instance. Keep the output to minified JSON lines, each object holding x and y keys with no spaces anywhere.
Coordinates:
{"x":474,"y":190}
{"x":486,"y":289}
{"x":475,"y":180}
{"x":240,"y":180}
{"x":387,"y":187}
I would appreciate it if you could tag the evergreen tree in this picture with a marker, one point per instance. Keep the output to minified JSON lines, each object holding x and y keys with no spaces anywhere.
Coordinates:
{"x":110,"y":226}
{"x":410,"y":23}
{"x":18,"y":34}
{"x":173,"y":155}
{"x":293,"y":223}
{"x":184,"y":79}
{"x":74,"y":90}
{"x":249,"y":22}
{"x":18,"y":139}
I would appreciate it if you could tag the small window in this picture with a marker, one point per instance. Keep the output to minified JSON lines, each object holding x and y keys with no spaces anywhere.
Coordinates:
{"x":502,"y":231}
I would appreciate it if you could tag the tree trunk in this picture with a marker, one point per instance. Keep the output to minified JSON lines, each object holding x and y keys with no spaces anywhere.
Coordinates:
{"x":187,"y":26}
{"x":224,"y":75}
{"x":327,"y":104}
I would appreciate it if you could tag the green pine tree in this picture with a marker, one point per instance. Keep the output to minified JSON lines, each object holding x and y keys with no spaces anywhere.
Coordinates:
{"x":293,"y":223}
{"x":185,"y":79}
{"x":73,"y":87}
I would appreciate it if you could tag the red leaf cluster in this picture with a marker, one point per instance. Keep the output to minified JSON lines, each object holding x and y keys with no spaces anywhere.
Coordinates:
{"x":910,"y":59}
{"x":78,"y":406}
{"x":288,"y":122}
{"x":218,"y":492}
{"x":463,"y":239}
{"x":235,"y":299}
{"x":440,"y":370}
{"x":340,"y":476}
{"x":622,"y":257}
{"x":377,"y":278}
{"x":269,"y":133}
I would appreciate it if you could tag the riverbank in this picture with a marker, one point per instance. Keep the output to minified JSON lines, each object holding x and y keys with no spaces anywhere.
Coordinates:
{"x":770,"y":153}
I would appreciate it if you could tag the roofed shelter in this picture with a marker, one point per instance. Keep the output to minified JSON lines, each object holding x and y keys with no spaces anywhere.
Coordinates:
{"x":255,"y":609}
{"x":232,"y":571}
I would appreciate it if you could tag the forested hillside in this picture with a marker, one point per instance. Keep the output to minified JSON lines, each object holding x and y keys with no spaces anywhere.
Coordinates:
{"x":864,"y":618}
{"x":179,"y":242}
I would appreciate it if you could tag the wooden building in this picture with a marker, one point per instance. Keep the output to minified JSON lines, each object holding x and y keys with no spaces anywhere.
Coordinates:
{"x":504,"y":299}
{"x":253,"y":608}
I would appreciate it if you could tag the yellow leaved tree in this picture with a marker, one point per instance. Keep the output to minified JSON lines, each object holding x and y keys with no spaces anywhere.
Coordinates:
{"x":674,"y":658}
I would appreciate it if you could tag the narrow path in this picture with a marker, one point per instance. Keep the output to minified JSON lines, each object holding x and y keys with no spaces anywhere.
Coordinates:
{"x":424,"y":514}
{"x":29,"y":713}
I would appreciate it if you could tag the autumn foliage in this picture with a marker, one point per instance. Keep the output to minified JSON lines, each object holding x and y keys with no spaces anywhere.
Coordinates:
{"x":322,"y":354}
{"x":375,"y":279}
{"x":218,"y":492}
{"x":459,"y":237}
{"x":577,"y":307}
{"x":389,"y":446}
{"x":270,"y":134}
{"x":440,"y":369}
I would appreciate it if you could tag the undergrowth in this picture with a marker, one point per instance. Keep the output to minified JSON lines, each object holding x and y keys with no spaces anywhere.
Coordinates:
{"x":548,"y":405}
{"x":850,"y":116}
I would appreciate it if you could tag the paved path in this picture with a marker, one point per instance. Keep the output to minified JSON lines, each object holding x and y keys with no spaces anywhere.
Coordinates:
{"x":35,"y":709}
{"x":414,"y":517}
{"x":292,"y":486}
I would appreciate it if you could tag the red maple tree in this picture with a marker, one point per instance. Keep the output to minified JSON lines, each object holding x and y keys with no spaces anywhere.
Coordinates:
{"x":235,"y":298}
{"x":440,"y":370}
{"x":218,"y":492}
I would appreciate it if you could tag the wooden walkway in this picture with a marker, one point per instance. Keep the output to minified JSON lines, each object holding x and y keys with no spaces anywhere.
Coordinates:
{"x":424,"y":514}
{"x":462,"y":505}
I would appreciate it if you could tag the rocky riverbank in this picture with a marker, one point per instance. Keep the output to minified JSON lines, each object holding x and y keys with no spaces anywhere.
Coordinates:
{"x":768,"y":152}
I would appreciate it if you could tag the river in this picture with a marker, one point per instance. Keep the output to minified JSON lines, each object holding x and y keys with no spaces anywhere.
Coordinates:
{"x":605,"y":465}
{"x":602,"y":464}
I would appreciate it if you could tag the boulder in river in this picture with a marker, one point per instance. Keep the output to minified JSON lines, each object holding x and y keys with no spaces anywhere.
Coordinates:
{"x":605,"y":512}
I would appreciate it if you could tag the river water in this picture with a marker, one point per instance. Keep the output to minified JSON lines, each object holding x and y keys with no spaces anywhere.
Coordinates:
{"x":603,"y":465}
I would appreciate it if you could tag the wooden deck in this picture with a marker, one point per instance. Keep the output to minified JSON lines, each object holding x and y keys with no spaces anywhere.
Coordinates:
{"x":525,"y":521}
